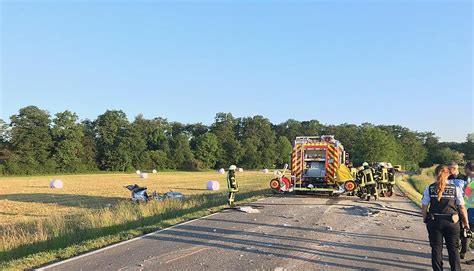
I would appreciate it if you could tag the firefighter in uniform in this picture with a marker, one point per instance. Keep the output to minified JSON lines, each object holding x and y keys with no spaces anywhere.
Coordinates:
{"x":441,"y":204}
{"x":232,"y":185}
{"x":382,"y":179}
{"x":370,"y":182}
{"x":391,"y":178}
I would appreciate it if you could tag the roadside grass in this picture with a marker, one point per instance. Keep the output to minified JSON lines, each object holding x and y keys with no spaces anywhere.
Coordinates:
{"x":407,"y":188}
{"x":35,"y":243}
{"x":413,"y":186}
{"x":421,"y":181}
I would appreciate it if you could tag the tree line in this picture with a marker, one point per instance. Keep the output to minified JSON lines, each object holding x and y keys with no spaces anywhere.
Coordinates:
{"x":34,"y":142}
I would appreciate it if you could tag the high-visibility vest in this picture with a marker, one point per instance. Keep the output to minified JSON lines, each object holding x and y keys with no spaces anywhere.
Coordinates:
{"x":369,"y":176}
{"x":384,"y":175}
{"x":354,"y":173}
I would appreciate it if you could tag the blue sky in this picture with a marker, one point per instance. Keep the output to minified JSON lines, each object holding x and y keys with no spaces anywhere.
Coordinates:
{"x":385,"y":62}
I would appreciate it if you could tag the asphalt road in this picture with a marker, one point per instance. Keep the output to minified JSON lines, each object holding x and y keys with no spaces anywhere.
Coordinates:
{"x":289,"y":233}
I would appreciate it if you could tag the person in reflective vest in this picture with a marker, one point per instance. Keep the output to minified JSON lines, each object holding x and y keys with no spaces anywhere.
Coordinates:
{"x":391,"y":174}
{"x":232,"y":185}
{"x":382,"y":179}
{"x":370,"y":182}
{"x":469,"y":201}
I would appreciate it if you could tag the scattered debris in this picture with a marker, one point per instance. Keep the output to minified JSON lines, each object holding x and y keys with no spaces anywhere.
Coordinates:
{"x":279,"y":269}
{"x":214,"y":230}
{"x":402,"y":228}
{"x":248,"y":209}
{"x":361,"y":211}
{"x":174,"y":195}
{"x":328,"y":228}
{"x":286,"y":225}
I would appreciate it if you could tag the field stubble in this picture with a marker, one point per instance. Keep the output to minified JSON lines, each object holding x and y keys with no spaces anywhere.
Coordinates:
{"x":40,"y":224}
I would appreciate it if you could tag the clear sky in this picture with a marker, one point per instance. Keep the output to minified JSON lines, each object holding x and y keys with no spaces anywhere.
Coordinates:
{"x":384,"y":62}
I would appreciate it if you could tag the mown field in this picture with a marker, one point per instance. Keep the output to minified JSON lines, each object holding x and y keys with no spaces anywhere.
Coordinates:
{"x":39,"y":224}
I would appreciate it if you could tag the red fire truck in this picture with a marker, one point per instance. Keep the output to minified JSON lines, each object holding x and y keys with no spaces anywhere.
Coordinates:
{"x":317,"y":166}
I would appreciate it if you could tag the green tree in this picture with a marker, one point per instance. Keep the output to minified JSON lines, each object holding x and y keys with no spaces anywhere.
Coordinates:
{"x":283,"y":151}
{"x":410,"y":144}
{"x":446,"y":156}
{"x":4,"y":134}
{"x":258,"y":140}
{"x":67,"y":148}
{"x":310,"y":128}
{"x":224,"y":127}
{"x":468,"y":147}
{"x":431,"y":144}
{"x":155,"y":160}
{"x":207,"y":149}
{"x":154,"y":132}
{"x":349,"y":135}
{"x":132,"y":147}
{"x":110,"y":129}
{"x":181,"y":152}
{"x":89,"y":150}
{"x":375,"y":145}
{"x":291,"y":129}
{"x":31,"y":142}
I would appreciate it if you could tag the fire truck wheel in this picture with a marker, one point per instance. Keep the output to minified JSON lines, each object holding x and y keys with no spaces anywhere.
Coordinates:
{"x":275,"y":184}
{"x":349,"y":186}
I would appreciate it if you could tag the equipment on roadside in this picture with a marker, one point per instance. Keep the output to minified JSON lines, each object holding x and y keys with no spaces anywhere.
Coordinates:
{"x":317,"y":166}
{"x":281,"y":184}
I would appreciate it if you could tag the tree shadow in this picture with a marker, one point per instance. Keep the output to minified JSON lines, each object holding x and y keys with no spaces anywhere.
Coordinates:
{"x":231,"y":240}
{"x":68,"y":200}
{"x":324,"y":231}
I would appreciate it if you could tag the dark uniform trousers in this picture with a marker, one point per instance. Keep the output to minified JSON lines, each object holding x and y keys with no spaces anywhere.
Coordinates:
{"x":437,"y":229}
{"x":441,"y":226}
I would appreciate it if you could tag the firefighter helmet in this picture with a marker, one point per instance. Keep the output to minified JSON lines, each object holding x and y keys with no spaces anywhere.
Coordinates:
{"x":365,"y":164}
{"x":233,"y":167}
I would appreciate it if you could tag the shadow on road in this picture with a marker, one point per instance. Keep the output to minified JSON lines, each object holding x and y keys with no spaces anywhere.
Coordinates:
{"x":233,"y":240}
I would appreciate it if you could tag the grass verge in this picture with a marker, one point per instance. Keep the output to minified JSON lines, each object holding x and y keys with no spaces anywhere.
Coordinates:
{"x":413,"y":186}
{"x":407,"y":188}
{"x":32,"y":244}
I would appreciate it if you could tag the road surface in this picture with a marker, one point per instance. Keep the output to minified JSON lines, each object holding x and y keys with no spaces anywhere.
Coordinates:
{"x":289,"y":233}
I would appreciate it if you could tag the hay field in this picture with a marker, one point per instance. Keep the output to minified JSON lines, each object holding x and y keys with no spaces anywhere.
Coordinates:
{"x":29,"y":198}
